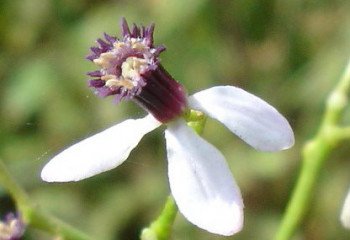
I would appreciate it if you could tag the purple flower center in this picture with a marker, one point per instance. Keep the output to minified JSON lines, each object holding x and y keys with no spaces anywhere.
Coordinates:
{"x":130,"y":69}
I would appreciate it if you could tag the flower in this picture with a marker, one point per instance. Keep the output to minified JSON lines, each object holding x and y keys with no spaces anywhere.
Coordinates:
{"x":200,"y":179}
{"x":12,"y":228}
{"x":345,"y":213}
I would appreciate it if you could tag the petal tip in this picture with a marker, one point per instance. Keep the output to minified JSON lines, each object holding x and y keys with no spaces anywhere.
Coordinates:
{"x":46,"y":174}
{"x":287,"y":139}
{"x":233,"y":222}
{"x":345,"y":213}
{"x":290,"y":142}
{"x":225,"y":221}
{"x":252,"y":119}
{"x":50,"y":174}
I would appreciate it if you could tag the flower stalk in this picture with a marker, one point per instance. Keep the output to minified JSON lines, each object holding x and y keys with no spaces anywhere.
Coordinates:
{"x":10,"y":185}
{"x":314,"y":155}
{"x":161,"y":228}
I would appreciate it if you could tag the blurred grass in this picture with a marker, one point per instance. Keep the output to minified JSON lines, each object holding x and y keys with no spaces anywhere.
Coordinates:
{"x":289,"y":53}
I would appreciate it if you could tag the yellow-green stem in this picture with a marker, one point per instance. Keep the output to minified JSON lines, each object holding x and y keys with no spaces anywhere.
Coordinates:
{"x":315,"y":153}
{"x":160,"y":229}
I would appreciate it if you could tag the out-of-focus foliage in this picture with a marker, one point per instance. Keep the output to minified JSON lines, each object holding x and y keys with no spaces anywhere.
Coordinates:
{"x":290,"y":53}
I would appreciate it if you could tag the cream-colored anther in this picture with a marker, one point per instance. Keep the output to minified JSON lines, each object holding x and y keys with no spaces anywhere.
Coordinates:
{"x":112,"y":83}
{"x":138,"y":46}
{"x":132,"y":67}
{"x":104,"y":60}
{"x":126,"y":83}
{"x":108,"y":77}
{"x":136,"y":43}
{"x":119,"y":83}
{"x":119,"y":44}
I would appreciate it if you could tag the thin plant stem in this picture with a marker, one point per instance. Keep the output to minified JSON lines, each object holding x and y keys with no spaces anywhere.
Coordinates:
{"x":314,"y":154}
{"x":161,"y":228}
{"x":10,"y":185}
{"x":32,"y":215}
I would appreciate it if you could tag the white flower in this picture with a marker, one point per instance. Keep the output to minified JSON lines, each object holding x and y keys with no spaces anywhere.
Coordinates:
{"x":200,"y":179}
{"x":345,"y":213}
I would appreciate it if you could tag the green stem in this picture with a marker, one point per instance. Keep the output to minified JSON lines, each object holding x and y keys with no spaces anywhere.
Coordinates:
{"x":315,"y":153}
{"x":34,"y":216}
{"x":10,"y":185}
{"x":43,"y":221}
{"x":160,"y":229}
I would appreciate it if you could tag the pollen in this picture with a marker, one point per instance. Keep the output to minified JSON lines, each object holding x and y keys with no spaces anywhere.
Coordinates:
{"x":133,"y":67}
{"x":113,"y":82}
{"x":104,"y":60}
{"x":119,"y":44}
{"x":138,"y":44}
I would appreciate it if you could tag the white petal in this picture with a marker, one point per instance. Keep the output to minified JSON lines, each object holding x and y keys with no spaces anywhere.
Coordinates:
{"x":98,"y":153}
{"x":345,"y":213}
{"x":201,"y":182}
{"x":250,"y":118}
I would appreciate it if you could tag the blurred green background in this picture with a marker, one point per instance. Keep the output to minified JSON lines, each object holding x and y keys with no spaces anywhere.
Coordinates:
{"x":290,"y":53}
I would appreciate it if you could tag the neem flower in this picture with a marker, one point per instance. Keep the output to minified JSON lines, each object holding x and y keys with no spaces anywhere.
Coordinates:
{"x":200,"y":179}
{"x":12,"y":228}
{"x":345,"y":213}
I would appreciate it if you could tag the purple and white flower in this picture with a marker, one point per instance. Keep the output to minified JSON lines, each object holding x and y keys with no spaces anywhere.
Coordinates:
{"x":200,"y":179}
{"x":12,"y":228}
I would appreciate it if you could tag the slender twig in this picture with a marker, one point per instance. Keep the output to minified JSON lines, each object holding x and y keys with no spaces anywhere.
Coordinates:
{"x":161,"y":228}
{"x":314,"y":155}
